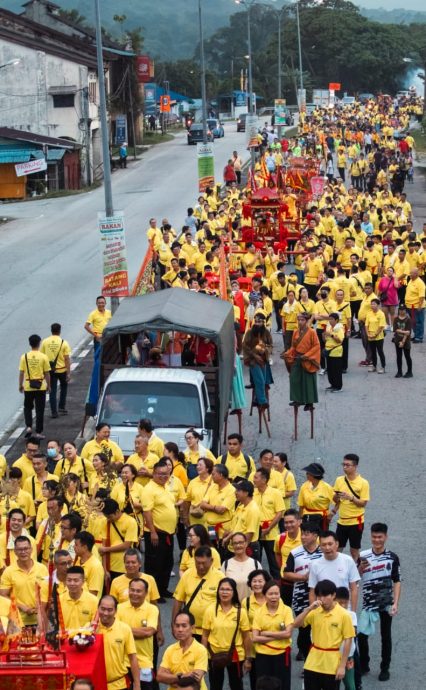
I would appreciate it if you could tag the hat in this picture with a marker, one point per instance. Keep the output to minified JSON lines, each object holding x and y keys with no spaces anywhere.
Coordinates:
{"x":315,"y":469}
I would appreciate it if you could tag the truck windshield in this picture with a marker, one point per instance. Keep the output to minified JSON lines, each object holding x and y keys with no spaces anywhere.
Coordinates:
{"x":166,"y":404}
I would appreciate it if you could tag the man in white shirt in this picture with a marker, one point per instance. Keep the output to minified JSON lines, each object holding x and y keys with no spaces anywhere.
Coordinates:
{"x":334,"y":566}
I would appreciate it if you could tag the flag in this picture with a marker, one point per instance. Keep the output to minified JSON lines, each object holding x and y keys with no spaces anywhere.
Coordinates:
{"x":53,"y":622}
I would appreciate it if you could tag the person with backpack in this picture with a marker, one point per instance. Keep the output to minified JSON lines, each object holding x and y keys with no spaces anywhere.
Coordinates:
{"x":240,"y":565}
{"x":239,"y":464}
{"x":195,"y":450}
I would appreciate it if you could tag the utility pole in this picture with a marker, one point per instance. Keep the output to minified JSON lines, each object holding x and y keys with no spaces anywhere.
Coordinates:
{"x":250,"y":79}
{"x":299,"y":41}
{"x":87,"y":123}
{"x":203,"y":73}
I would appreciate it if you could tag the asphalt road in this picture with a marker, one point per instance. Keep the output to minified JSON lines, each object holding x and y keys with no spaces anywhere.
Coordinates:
{"x":50,"y":250}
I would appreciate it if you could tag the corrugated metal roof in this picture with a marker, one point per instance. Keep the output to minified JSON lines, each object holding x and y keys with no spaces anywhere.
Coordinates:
{"x":55,"y":154}
{"x":18,"y":155}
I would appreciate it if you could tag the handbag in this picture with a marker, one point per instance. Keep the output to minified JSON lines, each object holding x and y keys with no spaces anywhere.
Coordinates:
{"x":196,"y":511}
{"x":220,"y":660}
{"x":34,"y":383}
{"x":53,"y":361}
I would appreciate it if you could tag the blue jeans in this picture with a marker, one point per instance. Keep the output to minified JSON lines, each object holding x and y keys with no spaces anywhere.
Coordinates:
{"x":419,"y":323}
{"x":300,"y":275}
{"x":53,"y":400}
{"x":258,"y":376}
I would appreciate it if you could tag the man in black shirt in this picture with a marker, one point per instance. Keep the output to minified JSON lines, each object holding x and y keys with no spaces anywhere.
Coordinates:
{"x":402,"y":339}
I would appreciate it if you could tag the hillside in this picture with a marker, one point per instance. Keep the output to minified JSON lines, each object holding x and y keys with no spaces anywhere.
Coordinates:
{"x":170,"y":35}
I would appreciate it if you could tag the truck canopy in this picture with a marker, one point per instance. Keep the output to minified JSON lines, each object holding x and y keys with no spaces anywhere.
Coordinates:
{"x":177,"y":309}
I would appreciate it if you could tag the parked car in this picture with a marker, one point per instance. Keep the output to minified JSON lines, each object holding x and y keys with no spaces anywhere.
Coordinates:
{"x":216,"y":127}
{"x":241,"y":122}
{"x":195,"y":133}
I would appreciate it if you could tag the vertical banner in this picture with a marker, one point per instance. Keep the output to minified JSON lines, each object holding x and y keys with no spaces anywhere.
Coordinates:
{"x":301,"y":99}
{"x":280,"y":111}
{"x":317,"y":186}
{"x":205,"y":156}
{"x":120,"y":129}
{"x":114,"y":258}
{"x":252,"y":126}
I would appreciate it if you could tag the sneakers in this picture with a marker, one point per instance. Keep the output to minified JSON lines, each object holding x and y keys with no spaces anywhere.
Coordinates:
{"x":408,"y":375}
{"x":321,"y":372}
{"x":364,"y":363}
{"x":381,"y":370}
{"x":371,"y":368}
{"x":384,"y":674}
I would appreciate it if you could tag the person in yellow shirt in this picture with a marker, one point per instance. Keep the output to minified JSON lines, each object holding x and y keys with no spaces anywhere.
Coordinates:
{"x":153,"y":233}
{"x":119,"y":533}
{"x":58,"y":352}
{"x":143,"y":619}
{"x":97,"y":320}
{"x":332,"y":634}
{"x":102,"y":444}
{"x":119,"y":647}
{"x":21,"y":579}
{"x":16,"y":498}
{"x":315,"y":496}
{"x":364,"y":310}
{"x":246,"y":518}
{"x":34,"y":485}
{"x":25,"y":461}
{"x":238,"y":463}
{"x":375,"y":324}
{"x":313,"y":269}
{"x":194,"y":451}
{"x":289,"y":313}
{"x":334,"y":336}
{"x":272,"y":629}
{"x":323,"y":308}
{"x":85,"y":556}
{"x":143,"y":460}
{"x":197,"y":588}
{"x":187,"y":659}
{"x":226,"y":621}
{"x":155,"y":444}
{"x":16,"y":518}
{"x":160,"y":520}
{"x":351,"y":495}
{"x":78,"y":605}
{"x":34,"y":383}
{"x":219,"y":503}
{"x":271,"y":505}
{"x":197,"y":536}
{"x":415,"y":302}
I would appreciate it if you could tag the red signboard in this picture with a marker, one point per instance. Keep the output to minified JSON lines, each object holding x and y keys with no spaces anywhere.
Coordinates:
{"x":144,"y":68}
{"x":334,"y":86}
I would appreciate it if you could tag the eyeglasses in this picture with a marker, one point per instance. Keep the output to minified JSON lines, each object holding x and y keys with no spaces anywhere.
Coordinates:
{"x":238,"y":543}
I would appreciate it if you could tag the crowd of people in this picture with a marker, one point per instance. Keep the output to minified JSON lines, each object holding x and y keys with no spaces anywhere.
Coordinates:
{"x":256,"y":557}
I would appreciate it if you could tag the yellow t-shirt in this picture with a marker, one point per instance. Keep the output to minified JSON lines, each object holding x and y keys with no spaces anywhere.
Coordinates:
{"x":128,"y":529}
{"x":192,"y":457}
{"x":315,"y":499}
{"x":204,"y":597}
{"x":78,"y":613}
{"x":270,"y":503}
{"x":415,"y":293}
{"x":220,"y":497}
{"x":108,"y":447}
{"x":54,"y":347}
{"x":374,"y":321}
{"x":289,"y":485}
{"x":22,"y":500}
{"x":221,"y":628}
{"x":237,"y":466}
{"x":120,"y":588}
{"x":118,"y":493}
{"x":118,"y":644}
{"x":289,"y":314}
{"x":332,"y":345}
{"x":265,"y":620}
{"x":98,"y":320}
{"x":148,"y":463}
{"x":144,"y":616}
{"x":33,"y":486}
{"x":161,"y":503}
{"x":246,"y":519}
{"x":195,"y":493}
{"x":187,"y":561}
{"x":22,"y":584}
{"x":38,"y":366}
{"x":283,"y":546}
{"x":349,"y":513}
{"x":329,"y":629}
{"x":313,"y":269}
{"x":93,"y":575}
{"x":25,"y":465}
{"x":178,"y":660}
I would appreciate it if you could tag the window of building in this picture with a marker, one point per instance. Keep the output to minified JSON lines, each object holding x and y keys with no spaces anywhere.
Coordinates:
{"x":63,"y":100}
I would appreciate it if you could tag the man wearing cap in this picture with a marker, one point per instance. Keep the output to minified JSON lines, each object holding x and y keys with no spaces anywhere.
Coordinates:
{"x":246,"y":518}
{"x":315,"y":496}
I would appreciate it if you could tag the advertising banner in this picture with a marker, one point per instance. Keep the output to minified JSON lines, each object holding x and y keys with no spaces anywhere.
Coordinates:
{"x":252,"y":125}
{"x":34,"y":166}
{"x":114,"y":257}
{"x":205,"y":156}
{"x":280,"y":111}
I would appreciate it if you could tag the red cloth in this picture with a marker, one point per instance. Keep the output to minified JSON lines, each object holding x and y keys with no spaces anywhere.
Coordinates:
{"x":88,"y":664}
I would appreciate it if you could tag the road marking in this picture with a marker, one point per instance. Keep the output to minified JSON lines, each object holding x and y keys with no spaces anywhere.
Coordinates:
{"x":17,"y":432}
{"x":5,"y":449}
{"x":74,"y":366}
{"x":83,"y":353}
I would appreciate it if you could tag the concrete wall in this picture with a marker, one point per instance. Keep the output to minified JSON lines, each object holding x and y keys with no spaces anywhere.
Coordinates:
{"x":25,"y":101}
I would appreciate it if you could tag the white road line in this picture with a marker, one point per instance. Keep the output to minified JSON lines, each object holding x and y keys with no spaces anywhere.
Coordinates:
{"x":74,"y":366}
{"x":83,"y":353}
{"x":17,"y":432}
{"x":5,"y":449}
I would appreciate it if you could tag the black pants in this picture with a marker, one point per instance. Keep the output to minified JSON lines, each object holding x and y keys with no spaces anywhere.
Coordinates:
{"x":268,"y":547}
{"x":159,"y":559}
{"x":407,"y":355}
{"x":286,"y":591}
{"x":63,"y":388}
{"x":323,"y":362}
{"x":355,"y":305}
{"x":312,"y":291}
{"x":320,"y":681}
{"x":278,"y":303}
{"x":123,"y":162}
{"x":341,"y":172}
{"x":365,"y":342}
{"x":386,"y":636}
{"x":235,"y":676}
{"x":345,"y":357}
{"x":304,"y":640}
{"x":35,"y":399}
{"x":238,"y":175}
{"x":334,"y":372}
{"x":377,"y":349}
{"x":275,"y":665}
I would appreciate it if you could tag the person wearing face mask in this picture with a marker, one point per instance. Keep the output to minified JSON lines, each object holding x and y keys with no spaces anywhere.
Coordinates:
{"x":54,"y":454}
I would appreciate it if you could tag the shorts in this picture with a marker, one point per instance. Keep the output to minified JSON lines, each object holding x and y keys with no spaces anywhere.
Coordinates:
{"x":353,"y":533}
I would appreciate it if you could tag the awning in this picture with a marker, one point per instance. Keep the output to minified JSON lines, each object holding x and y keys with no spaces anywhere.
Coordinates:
{"x":55,"y":154}
{"x":19,"y":155}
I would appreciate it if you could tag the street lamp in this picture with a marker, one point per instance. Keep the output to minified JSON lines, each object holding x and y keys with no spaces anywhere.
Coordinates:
{"x":203,"y":74}
{"x":9,"y":63}
{"x":248,"y":4}
{"x":299,"y":42}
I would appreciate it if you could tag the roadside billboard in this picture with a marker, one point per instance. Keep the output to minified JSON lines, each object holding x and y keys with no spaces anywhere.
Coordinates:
{"x":114,"y":255}
{"x":205,"y":157}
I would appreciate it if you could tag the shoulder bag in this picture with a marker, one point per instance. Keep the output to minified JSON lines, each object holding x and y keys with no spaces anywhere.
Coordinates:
{"x":220,"y":660}
{"x":34,"y":383}
{"x":186,"y":607}
{"x":53,"y":361}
